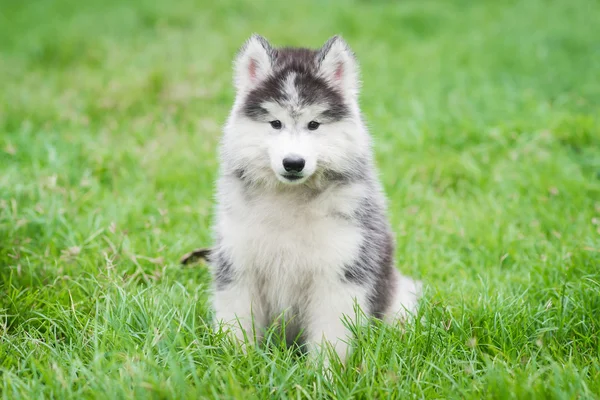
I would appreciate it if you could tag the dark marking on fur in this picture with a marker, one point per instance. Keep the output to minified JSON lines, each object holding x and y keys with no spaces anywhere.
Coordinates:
{"x":223,"y":269}
{"x":195,"y":255}
{"x":312,"y":88}
{"x":323,"y":51}
{"x":271,"y":53}
{"x":335,"y":176}
{"x":240,"y":174}
{"x":357,"y":171}
{"x":346,"y":176}
{"x":375,"y":262}
{"x":246,"y":180}
{"x":341,"y":215}
{"x":381,"y":296}
{"x":269,"y":90}
{"x":335,"y":113}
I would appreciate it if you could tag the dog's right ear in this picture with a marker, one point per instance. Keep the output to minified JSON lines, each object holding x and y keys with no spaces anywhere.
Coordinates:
{"x":254,"y":63}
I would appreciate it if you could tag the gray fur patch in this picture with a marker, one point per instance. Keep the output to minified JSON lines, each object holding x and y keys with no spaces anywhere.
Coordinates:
{"x":358,"y":171}
{"x":311,"y":88}
{"x":223,"y":269}
{"x":375,"y":263}
{"x":240,"y":173}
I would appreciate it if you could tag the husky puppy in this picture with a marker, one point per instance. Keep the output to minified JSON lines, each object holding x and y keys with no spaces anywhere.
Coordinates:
{"x":301,"y":231}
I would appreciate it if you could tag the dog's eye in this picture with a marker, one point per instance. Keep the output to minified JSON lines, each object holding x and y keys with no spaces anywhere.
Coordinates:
{"x":276,"y":124}
{"x":313,"y":125}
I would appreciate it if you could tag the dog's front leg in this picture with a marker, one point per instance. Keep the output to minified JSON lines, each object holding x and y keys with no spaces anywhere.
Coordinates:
{"x":331,"y":308}
{"x":237,"y":312}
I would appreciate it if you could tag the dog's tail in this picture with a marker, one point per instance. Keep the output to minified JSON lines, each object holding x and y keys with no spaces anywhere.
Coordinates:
{"x":196,"y":255}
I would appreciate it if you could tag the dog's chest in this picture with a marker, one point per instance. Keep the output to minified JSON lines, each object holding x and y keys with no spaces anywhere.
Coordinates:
{"x":284,"y":245}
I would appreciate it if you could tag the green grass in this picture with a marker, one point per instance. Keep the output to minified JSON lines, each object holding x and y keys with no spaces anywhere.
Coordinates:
{"x":486,"y":122}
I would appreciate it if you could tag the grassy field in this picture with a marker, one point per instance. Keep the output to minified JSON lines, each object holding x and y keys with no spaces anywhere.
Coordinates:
{"x":486,"y":122}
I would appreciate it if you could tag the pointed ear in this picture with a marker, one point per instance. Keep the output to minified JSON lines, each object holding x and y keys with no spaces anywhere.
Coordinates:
{"x":254,"y":63}
{"x":338,"y":66}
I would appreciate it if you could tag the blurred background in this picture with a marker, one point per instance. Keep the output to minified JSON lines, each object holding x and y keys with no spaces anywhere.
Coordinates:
{"x":485,"y":123}
{"x":110,"y":114}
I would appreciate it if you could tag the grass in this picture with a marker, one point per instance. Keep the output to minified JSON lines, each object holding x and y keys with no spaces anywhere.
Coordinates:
{"x":487,"y":133}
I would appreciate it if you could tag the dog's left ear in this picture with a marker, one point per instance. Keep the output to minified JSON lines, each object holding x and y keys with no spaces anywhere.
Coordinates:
{"x":338,"y":66}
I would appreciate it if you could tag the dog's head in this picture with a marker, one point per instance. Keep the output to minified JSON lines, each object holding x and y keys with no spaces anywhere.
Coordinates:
{"x":296,"y":117}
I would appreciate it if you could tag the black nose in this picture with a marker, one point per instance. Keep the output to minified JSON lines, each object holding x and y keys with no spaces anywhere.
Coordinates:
{"x":293,"y":164}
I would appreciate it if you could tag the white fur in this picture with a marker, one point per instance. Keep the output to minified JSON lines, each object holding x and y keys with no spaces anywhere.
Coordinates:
{"x":252,"y":65}
{"x":292,"y":256}
{"x":247,"y":142}
{"x":339,"y":67}
{"x":288,"y":252}
{"x":406,"y":299}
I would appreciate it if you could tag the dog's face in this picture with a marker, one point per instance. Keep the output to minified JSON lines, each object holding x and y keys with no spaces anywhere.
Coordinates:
{"x":296,"y":118}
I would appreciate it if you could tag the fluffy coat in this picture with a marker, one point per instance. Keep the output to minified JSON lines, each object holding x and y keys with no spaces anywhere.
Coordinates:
{"x":301,"y":231}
